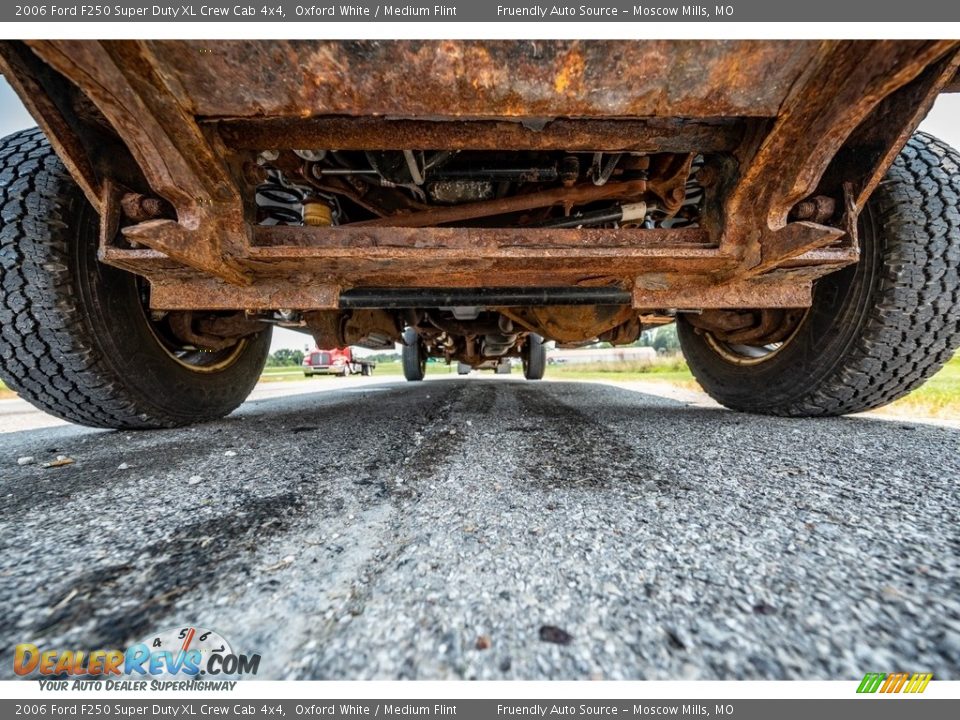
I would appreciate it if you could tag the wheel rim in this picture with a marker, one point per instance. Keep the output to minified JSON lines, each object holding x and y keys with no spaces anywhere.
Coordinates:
{"x":743,"y":354}
{"x":187,"y":356}
{"x":740,"y":354}
{"x":196,"y":360}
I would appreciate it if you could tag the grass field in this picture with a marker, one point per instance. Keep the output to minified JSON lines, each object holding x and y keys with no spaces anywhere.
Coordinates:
{"x":274,"y":374}
{"x":939,"y":397}
{"x":671,"y":369}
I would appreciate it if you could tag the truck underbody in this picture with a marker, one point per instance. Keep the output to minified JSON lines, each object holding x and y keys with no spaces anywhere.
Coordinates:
{"x":478,"y":192}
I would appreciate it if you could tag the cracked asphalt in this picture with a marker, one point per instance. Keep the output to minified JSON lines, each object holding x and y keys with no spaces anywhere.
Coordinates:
{"x":489,"y":528}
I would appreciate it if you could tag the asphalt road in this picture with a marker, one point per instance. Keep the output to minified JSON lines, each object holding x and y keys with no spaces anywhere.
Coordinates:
{"x":492,"y":528}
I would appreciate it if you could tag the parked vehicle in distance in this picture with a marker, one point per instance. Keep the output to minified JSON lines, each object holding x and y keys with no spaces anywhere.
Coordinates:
{"x":336,"y":361}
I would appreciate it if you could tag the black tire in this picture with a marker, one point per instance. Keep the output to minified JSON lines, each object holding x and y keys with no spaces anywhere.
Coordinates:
{"x":876,"y":330}
{"x":463,"y":369}
{"x":534,"y":357}
{"x":366,"y":370}
{"x":414,"y":356}
{"x":75,"y":339}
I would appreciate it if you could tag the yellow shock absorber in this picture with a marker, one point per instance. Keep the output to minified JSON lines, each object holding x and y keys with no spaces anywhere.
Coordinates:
{"x":317,"y":214}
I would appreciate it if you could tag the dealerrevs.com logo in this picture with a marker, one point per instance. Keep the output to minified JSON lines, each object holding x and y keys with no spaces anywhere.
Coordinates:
{"x":181,"y":654}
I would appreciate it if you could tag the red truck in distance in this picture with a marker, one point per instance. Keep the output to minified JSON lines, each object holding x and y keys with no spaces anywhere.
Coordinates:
{"x":337,"y":361}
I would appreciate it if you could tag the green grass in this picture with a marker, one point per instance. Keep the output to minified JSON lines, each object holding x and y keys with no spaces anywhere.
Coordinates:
{"x":667,"y":369}
{"x":938,"y":397}
{"x":276,"y":374}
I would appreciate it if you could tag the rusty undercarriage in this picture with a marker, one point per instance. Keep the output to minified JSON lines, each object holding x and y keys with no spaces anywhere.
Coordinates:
{"x":790,"y":139}
{"x":478,"y":190}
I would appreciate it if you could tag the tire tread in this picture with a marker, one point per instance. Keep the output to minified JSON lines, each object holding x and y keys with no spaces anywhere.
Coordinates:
{"x":49,"y":352}
{"x":913,"y":326}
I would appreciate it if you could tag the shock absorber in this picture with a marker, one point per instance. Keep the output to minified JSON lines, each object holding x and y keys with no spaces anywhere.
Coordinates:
{"x":317,"y":213}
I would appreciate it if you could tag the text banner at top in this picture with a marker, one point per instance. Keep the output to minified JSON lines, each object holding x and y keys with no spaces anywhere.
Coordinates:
{"x":485,"y":11}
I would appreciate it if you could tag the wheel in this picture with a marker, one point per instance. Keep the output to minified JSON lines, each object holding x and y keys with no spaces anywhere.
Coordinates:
{"x":366,"y":370}
{"x":876,"y":330}
{"x":463,"y":369}
{"x":76,"y":339}
{"x":534,"y":357}
{"x":414,"y":356}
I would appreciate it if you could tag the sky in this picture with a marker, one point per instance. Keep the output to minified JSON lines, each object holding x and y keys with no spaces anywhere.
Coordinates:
{"x":943,"y":121}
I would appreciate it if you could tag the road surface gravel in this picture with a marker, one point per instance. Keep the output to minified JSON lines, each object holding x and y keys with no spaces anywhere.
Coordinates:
{"x":485,"y":527}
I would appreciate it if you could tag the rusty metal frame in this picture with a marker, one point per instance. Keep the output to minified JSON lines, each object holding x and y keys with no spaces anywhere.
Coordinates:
{"x":123,"y":80}
{"x":375,"y":133}
{"x":785,"y":139}
{"x":845,"y":83}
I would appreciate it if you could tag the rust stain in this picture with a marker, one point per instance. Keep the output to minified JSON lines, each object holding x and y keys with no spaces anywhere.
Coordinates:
{"x":486,"y":78}
{"x":570,"y":73}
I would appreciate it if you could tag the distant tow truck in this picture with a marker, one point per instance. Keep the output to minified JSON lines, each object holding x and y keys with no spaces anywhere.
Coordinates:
{"x":338,"y":361}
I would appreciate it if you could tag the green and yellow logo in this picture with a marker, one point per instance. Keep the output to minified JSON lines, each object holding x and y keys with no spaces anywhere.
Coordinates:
{"x":894,"y":682}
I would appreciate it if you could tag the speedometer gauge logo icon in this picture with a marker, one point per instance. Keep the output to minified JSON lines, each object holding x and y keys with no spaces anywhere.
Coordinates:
{"x":187,"y":650}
